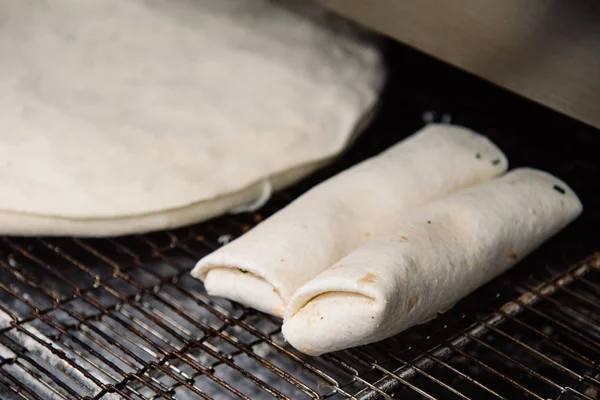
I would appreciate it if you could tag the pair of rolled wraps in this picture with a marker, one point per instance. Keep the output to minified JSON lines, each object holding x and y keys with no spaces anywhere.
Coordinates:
{"x":392,"y":241}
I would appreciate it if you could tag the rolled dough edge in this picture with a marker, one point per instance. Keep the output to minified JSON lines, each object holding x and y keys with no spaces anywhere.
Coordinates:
{"x":21,"y":224}
{"x":24,"y":224}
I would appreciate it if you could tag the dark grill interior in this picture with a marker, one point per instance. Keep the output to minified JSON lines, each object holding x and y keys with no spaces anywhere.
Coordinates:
{"x":122,"y":318}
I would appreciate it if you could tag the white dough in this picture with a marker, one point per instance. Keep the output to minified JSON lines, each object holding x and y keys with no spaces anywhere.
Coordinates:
{"x":265,"y":266}
{"x":424,"y":263}
{"x":131,"y":116}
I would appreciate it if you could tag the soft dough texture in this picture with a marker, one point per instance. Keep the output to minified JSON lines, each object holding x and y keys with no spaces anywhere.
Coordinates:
{"x":130,"y":116}
{"x":425,"y":263}
{"x":264,"y":267}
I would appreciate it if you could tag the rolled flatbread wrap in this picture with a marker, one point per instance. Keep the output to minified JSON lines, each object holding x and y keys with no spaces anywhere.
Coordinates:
{"x":264,"y":267}
{"x":424,"y":263}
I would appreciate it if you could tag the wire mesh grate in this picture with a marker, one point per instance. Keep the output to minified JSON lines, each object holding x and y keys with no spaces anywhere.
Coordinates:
{"x":122,"y":318}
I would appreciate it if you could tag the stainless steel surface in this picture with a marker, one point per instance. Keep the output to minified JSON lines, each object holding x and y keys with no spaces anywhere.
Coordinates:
{"x":547,"y":51}
{"x":122,"y":318}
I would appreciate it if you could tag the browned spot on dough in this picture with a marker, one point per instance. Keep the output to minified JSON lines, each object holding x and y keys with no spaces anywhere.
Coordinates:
{"x":368,"y":278}
{"x":275,"y":291}
{"x":245,"y":228}
{"x":403,"y":238}
{"x":304,"y":225}
{"x":310,"y":313}
{"x":281,"y":259}
{"x":321,"y":317}
{"x":257,"y":217}
{"x":367,"y":234}
{"x":411,"y":303}
{"x":512,"y":255}
{"x":278,"y":311}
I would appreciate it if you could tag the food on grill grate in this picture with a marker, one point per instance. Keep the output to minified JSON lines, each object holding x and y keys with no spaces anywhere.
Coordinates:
{"x":264,"y":267}
{"x":131,"y":116}
{"x":425,"y":263}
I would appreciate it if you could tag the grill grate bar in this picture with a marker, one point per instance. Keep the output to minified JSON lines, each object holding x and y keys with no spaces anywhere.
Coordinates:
{"x":264,"y":338}
{"x":495,"y":372}
{"x":175,"y":309}
{"x":423,"y":373}
{"x":585,"y":298}
{"x":534,"y":352}
{"x":564,"y":349}
{"x":32,"y":340}
{"x":574,"y":335}
{"x":18,"y":387}
{"x":30,"y":377}
{"x":206,"y":372}
{"x":442,"y":363}
{"x":515,"y":362}
{"x":591,"y":285}
{"x":367,"y":359}
{"x":567,"y":310}
{"x":55,"y":324}
{"x":160,"y":365}
{"x":593,"y":317}
{"x":76,"y":365}
{"x":594,"y":380}
{"x":128,"y":397}
{"x":170,"y":328}
{"x":147,"y":328}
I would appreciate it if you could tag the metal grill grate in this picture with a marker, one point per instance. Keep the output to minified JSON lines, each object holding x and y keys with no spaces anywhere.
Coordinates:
{"x":122,"y":318}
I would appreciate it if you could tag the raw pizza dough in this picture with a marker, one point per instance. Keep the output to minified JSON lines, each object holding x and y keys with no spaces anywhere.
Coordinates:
{"x":425,"y":263}
{"x":131,"y":116}
{"x":264,"y":267}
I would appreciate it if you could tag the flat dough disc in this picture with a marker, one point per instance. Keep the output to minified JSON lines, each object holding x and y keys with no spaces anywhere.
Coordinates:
{"x":133,"y":116}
